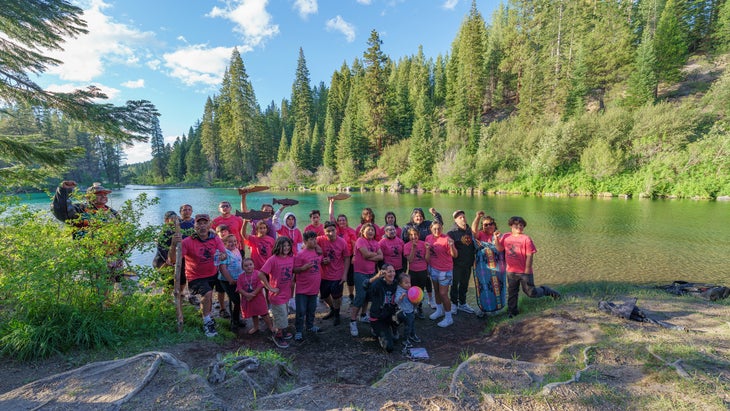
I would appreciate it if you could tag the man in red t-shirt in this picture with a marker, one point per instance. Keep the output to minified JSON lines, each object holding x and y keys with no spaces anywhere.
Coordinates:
{"x":201,"y":250}
{"x":335,"y":265}
{"x":233,"y":222}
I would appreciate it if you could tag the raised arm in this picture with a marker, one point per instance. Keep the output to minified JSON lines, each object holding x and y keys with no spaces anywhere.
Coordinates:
{"x":477,"y":220}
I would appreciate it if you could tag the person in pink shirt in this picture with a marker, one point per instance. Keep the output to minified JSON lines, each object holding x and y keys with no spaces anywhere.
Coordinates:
{"x":518,"y":251}
{"x":440,"y":251}
{"x":392,"y":247}
{"x":307,"y":276}
{"x":260,"y":243}
{"x":335,"y":264}
{"x":290,"y":229}
{"x":415,"y":253}
{"x":485,"y":229}
{"x":233,"y":222}
{"x":315,"y":225}
{"x":348,"y":234}
{"x":280,"y":270}
{"x":368,"y":217}
{"x":391,"y":219}
{"x":367,"y":254}
{"x":250,"y":286}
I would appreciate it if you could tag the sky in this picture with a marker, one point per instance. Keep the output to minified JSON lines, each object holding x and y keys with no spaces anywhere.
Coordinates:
{"x":174,"y":52}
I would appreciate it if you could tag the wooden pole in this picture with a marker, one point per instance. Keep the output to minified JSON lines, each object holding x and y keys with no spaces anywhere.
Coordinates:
{"x":178,"y":269}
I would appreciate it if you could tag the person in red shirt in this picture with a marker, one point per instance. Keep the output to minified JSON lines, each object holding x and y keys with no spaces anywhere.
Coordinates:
{"x":518,"y":251}
{"x":315,"y":225}
{"x":201,"y":251}
{"x":440,"y":251}
{"x":307,"y":278}
{"x":260,"y":242}
{"x":392,"y":247}
{"x":233,"y":222}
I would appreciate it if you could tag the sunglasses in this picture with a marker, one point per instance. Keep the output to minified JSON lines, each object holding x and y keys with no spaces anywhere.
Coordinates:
{"x":225,"y":206}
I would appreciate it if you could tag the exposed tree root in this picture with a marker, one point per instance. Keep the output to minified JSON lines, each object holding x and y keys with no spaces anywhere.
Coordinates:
{"x":547,"y":389}
{"x":677,"y":365}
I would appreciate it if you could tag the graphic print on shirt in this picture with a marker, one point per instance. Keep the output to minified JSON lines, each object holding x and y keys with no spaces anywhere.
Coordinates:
{"x":513,"y":250}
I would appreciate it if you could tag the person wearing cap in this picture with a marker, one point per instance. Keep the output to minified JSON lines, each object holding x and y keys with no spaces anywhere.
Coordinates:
{"x":419,"y":223}
{"x":204,"y":254}
{"x":463,"y":263}
{"x":65,"y":210}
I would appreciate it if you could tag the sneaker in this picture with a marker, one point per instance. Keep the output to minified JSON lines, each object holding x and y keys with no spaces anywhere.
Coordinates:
{"x":279,"y":341}
{"x":415,"y":339}
{"x":432,"y":302}
{"x":224,"y":313}
{"x":298,"y":337}
{"x":216,"y":305}
{"x":315,"y":330}
{"x":365,"y":318}
{"x":436,"y":314}
{"x":480,"y":314}
{"x":329,"y":315}
{"x":209,"y":329}
{"x":445,"y":322}
{"x":353,"y":328}
{"x":454,"y":308}
{"x":466,"y":308}
{"x":287,"y":335}
{"x":407,"y":343}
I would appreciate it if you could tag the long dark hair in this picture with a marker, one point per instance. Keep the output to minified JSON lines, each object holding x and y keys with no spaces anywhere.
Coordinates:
{"x":395,"y":219}
{"x":370,"y":211}
{"x":279,"y":246}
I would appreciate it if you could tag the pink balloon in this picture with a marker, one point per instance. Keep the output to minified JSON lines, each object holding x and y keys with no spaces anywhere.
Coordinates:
{"x":415,"y":294}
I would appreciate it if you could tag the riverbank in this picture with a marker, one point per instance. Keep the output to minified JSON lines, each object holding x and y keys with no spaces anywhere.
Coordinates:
{"x":489,"y":362}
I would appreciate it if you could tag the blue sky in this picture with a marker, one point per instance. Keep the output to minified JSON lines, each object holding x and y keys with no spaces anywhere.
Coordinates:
{"x":174,"y":52}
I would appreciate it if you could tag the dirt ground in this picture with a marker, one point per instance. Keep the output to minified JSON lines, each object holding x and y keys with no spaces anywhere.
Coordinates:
{"x":468,"y":368}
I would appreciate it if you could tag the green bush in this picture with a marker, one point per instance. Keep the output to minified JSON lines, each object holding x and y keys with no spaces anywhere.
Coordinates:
{"x":56,"y":294}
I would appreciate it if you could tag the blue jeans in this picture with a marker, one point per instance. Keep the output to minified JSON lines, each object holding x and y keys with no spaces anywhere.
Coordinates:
{"x":408,"y":320}
{"x":306,"y":306}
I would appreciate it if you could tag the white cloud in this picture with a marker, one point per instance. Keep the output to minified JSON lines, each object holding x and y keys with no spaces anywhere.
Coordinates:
{"x":139,"y":83}
{"x":153,"y":64}
{"x":251,"y":19}
{"x":107,"y":42}
{"x":340,"y":25}
{"x":305,"y":7}
{"x":450,"y":4}
{"x":365,"y":2}
{"x":197,"y":64}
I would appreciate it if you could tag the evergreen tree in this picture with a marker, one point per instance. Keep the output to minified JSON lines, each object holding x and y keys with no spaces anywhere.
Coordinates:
{"x":642,"y":84}
{"x":421,"y":154}
{"x":374,"y":94}
{"x":210,"y":139}
{"x":157,"y":141}
{"x":302,"y":108}
{"x":175,"y":166}
{"x":272,"y":132}
{"x":670,"y":43}
{"x":283,"y":151}
{"x":721,"y":35}
{"x":316,"y":147}
{"x":195,"y":160}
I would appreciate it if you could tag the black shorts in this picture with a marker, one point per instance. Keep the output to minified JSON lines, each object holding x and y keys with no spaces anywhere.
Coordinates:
{"x":203,"y":286}
{"x":351,"y":276}
{"x":218,"y":287}
{"x":331,"y":288}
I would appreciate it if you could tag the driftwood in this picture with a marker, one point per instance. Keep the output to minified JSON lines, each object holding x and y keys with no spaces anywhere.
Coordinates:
{"x":710,"y":292}
{"x":547,"y":389}
{"x":628,"y":310}
{"x":677,"y":365}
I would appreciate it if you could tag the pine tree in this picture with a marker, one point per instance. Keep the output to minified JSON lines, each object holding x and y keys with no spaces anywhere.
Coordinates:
{"x":283,"y":152}
{"x":157,"y":141}
{"x":642,"y":84}
{"x":721,"y":35}
{"x":374,"y":94}
{"x":670,"y":43}
{"x":210,"y":139}
{"x":316,"y":147}
{"x":421,"y":155}
{"x":302,"y":108}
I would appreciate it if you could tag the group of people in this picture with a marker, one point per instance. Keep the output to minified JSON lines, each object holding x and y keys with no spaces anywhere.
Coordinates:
{"x":375,"y":265}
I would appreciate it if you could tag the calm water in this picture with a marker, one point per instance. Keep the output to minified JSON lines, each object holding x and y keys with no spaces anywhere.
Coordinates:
{"x":578,"y":239}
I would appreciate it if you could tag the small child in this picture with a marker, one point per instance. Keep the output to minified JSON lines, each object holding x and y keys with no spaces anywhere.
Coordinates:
{"x":222,"y":231}
{"x":253,"y":303}
{"x":406,"y":311}
{"x":280,"y":269}
{"x":233,"y":262}
{"x":260,"y":242}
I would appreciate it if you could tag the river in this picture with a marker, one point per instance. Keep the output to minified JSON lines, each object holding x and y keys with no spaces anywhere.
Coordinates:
{"x":578,"y":239}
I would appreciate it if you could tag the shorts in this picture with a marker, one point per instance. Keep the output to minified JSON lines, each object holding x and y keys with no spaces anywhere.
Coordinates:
{"x":281,"y":315}
{"x":219,"y":287}
{"x":203,"y":286}
{"x":443,"y":278}
{"x":351,"y":275}
{"x":331,"y":288}
{"x":360,"y":292}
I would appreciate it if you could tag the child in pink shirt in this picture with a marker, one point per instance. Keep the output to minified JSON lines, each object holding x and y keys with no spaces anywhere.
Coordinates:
{"x":280,"y":269}
{"x":250,"y":285}
{"x":261,"y":244}
{"x":308,"y":274}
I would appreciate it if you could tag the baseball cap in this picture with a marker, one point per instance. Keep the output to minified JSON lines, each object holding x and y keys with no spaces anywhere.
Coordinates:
{"x":97,"y":188}
{"x":457,"y":212}
{"x":205,"y":217}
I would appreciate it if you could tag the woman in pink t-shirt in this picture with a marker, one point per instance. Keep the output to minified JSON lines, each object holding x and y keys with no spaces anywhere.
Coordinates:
{"x":440,"y":251}
{"x":367,"y":253}
{"x":415,"y":253}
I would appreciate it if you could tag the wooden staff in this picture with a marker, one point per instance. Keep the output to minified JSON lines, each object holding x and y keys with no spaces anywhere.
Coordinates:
{"x":178,"y":268}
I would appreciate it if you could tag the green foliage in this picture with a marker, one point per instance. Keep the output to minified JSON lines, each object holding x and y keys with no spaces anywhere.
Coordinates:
{"x":600,"y":160}
{"x":286,"y":174}
{"x":394,"y":160}
{"x":56,"y":292}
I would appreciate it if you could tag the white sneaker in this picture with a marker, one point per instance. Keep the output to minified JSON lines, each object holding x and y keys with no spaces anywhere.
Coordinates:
{"x":466,"y":308}
{"x":365,"y":318}
{"x":436,"y":314}
{"x":432,"y":302}
{"x":353,"y":328}
{"x":454,"y":309}
{"x":447,"y":321}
